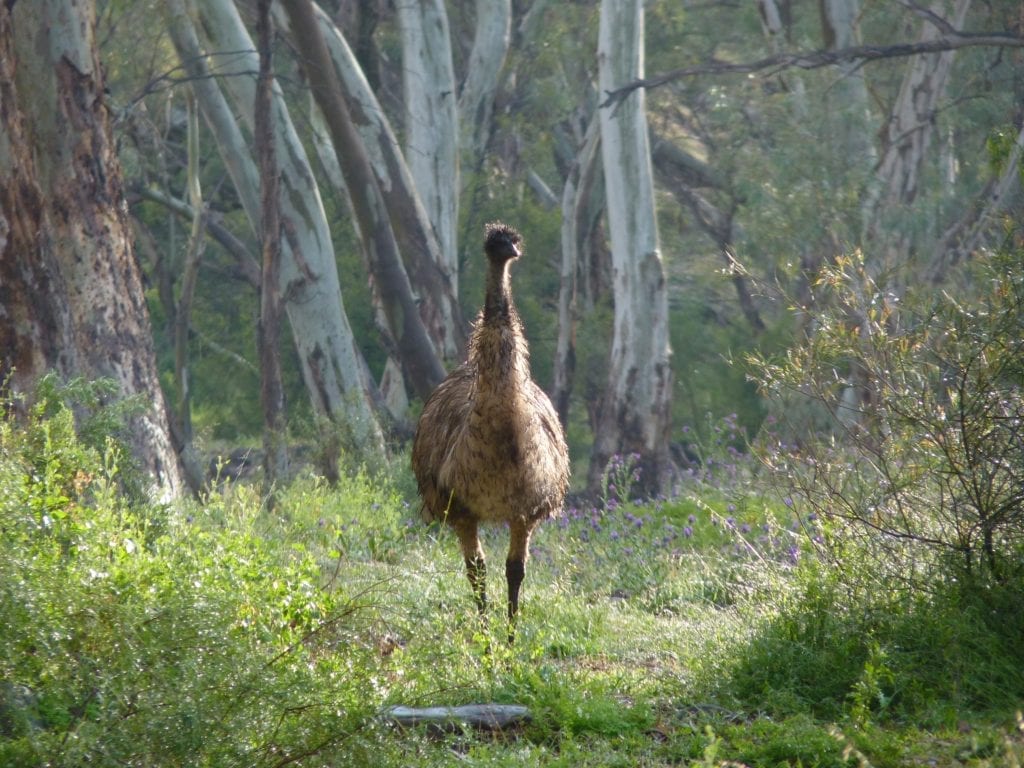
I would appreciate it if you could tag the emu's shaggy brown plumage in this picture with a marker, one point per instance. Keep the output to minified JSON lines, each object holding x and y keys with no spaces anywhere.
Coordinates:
{"x":489,"y":447}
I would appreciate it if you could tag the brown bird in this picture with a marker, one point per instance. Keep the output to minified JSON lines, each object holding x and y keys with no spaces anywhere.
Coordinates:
{"x":489,"y":447}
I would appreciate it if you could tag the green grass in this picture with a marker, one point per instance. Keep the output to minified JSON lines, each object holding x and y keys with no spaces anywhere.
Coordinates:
{"x":702,"y":630}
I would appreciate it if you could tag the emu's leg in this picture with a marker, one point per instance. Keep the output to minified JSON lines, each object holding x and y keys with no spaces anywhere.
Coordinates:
{"x":515,"y":568}
{"x":476,"y":566}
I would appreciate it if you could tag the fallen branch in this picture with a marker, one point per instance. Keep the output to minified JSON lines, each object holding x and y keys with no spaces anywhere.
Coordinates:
{"x":486,"y":717}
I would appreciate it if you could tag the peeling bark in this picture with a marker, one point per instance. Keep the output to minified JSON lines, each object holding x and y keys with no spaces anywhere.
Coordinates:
{"x":332,"y":367}
{"x":68,"y":269}
{"x":636,"y":408}
{"x":431,"y":120}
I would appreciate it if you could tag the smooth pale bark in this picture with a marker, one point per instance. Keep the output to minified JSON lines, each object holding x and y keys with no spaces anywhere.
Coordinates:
{"x":906,"y":140}
{"x":439,"y":304}
{"x":476,"y":99}
{"x":431,"y":120}
{"x":636,"y":408}
{"x":392,"y":387}
{"x":422,"y":365}
{"x":77,"y":259}
{"x":189,"y":276}
{"x":574,"y":233}
{"x":332,"y":368}
{"x":182,"y":308}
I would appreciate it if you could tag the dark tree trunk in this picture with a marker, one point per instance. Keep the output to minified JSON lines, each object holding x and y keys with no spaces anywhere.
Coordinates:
{"x":72,"y":294}
{"x":275,"y":460}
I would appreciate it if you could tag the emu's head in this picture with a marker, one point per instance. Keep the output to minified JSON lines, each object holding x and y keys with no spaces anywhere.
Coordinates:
{"x":502,"y":243}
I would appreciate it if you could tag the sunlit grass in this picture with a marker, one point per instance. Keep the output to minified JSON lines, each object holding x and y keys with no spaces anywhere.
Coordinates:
{"x":697,"y":629}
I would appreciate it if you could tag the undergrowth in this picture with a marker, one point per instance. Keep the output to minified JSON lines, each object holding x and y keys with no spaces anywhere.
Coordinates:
{"x":701,"y":629}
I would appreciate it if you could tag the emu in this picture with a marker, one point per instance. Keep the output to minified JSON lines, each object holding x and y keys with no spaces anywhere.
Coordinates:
{"x":489,"y":447}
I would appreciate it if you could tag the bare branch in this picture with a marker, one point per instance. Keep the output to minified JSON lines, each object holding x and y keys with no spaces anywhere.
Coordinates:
{"x":950,"y":41}
{"x":248,"y":268}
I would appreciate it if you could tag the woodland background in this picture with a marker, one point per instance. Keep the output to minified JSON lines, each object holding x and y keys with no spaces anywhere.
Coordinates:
{"x":763,"y":168}
{"x":772,"y":283}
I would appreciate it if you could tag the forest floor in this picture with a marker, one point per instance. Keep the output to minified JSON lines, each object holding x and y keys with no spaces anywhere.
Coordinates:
{"x":702,"y":630}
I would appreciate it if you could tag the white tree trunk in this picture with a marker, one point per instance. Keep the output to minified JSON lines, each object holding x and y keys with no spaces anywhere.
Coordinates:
{"x":486,"y":59}
{"x":905,"y":143}
{"x":574,"y":197}
{"x":431,"y":120}
{"x":636,"y":408}
{"x":413,"y":229}
{"x":79,"y":258}
{"x":331,"y":364}
{"x":421,"y":363}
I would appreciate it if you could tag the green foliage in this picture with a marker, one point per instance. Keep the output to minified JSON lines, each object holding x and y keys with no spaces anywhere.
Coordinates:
{"x":911,"y":610}
{"x":698,"y":630}
{"x":144,"y":636}
{"x":925,"y":463}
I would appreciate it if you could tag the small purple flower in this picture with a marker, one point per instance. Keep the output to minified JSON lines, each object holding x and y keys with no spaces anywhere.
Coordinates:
{"x":692,"y":519}
{"x":745,"y":528}
{"x":732,"y":507}
{"x":687,"y":531}
{"x":788,"y":501}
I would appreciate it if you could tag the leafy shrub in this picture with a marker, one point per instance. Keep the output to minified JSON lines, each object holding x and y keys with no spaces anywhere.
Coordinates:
{"x":917,"y":484}
{"x":925,"y":461}
{"x":143,"y":636}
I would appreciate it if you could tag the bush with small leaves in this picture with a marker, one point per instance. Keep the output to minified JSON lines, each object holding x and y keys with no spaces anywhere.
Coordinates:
{"x":924,"y":463}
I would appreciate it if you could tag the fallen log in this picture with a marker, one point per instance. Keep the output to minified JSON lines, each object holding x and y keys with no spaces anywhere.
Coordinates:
{"x":486,"y":717}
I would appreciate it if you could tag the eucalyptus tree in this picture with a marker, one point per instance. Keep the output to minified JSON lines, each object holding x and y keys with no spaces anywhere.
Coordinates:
{"x":636,"y":407}
{"x":431,"y":118}
{"x":399,"y":197}
{"x":71,"y":297}
{"x":392,"y":282}
{"x":332,"y":367}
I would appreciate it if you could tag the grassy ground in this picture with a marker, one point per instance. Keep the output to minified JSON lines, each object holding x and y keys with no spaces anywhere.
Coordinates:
{"x":702,"y":630}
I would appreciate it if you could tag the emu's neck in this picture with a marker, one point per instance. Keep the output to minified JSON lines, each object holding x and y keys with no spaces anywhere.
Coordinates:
{"x":498,"y":306}
{"x":498,"y":345}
